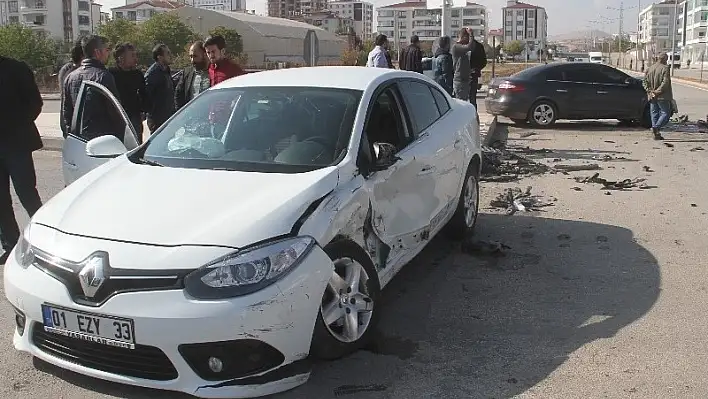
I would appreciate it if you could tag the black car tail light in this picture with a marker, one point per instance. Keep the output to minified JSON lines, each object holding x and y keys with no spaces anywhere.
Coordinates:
{"x":509,"y":86}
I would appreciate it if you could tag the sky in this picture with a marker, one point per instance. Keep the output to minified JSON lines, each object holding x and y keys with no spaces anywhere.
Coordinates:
{"x":563,"y":15}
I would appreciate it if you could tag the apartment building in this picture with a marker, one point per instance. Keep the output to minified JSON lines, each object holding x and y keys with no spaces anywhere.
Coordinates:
{"x":656,"y":23}
{"x":141,"y":11}
{"x":360,"y":12}
{"x":62,"y":19}
{"x":215,"y":5}
{"x":294,"y":9}
{"x":329,"y":21}
{"x":692,"y":24}
{"x":401,"y":21}
{"x":528,"y":24}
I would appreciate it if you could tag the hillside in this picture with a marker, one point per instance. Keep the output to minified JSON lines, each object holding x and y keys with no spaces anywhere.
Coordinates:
{"x":579,"y":35}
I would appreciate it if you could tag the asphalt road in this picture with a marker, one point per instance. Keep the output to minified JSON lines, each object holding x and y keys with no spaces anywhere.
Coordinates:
{"x":51,"y":106}
{"x":599,"y":296}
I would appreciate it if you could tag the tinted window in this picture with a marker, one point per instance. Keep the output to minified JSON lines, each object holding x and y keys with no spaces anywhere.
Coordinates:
{"x":554,"y":74}
{"x":422,"y":108}
{"x":385,"y":122}
{"x":260,"y":129}
{"x":530,"y":72}
{"x":612,"y":75}
{"x":584,"y":74}
{"x":440,"y":100}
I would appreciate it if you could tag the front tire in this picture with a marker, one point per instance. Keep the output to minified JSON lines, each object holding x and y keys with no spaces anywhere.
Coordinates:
{"x":543,"y":114}
{"x":464,"y":219}
{"x":348,"y":313}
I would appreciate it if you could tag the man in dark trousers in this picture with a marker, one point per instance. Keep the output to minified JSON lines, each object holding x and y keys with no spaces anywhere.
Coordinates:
{"x":98,"y":117}
{"x":131,"y":85}
{"x":194,"y":79}
{"x":77,"y":55}
{"x":478,"y":60}
{"x":159,"y":88}
{"x":20,"y":105}
{"x":411,"y":58}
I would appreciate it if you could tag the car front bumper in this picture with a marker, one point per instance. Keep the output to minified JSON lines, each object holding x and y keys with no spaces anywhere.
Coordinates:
{"x":276,"y":323}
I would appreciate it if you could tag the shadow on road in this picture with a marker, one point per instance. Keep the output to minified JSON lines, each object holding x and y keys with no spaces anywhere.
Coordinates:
{"x":458,"y":325}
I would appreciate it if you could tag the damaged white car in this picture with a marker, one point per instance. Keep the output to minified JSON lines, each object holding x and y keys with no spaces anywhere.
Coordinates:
{"x":250,"y":234}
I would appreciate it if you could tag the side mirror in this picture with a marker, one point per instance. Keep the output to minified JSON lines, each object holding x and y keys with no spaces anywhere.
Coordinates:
{"x":385,"y":155}
{"x":105,"y":147}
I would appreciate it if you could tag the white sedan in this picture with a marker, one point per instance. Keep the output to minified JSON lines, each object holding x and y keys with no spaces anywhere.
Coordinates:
{"x":251,"y":233}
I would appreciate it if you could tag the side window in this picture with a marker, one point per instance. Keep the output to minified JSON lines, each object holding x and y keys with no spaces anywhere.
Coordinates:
{"x":99,"y":116}
{"x":422,"y":108}
{"x":584,"y":74}
{"x":613,"y":76}
{"x":440,"y":100}
{"x":554,"y":74}
{"x":385,"y":121}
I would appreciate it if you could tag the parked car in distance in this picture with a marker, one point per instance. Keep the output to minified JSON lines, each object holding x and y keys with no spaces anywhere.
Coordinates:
{"x":252,"y":232}
{"x":542,"y":94}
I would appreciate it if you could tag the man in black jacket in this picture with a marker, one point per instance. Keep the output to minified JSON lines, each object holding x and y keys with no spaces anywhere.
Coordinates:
{"x":131,"y":85}
{"x":478,"y":60}
{"x":411,"y":58}
{"x":194,"y":79}
{"x":20,"y":105}
{"x":99,"y":116}
{"x":159,"y":88}
{"x":77,"y":55}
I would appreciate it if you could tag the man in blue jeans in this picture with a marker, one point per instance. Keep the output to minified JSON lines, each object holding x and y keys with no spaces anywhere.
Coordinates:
{"x":657,"y":83}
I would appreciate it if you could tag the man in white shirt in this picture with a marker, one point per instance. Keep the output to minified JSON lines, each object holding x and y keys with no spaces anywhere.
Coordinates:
{"x":377,"y":56}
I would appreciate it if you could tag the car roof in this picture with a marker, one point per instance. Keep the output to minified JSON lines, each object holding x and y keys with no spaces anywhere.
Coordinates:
{"x":339,"y":77}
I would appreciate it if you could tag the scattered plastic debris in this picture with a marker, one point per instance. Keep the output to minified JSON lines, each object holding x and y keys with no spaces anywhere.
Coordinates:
{"x":514,"y":200}
{"x":647,"y":169}
{"x":694,"y":149}
{"x":610,"y":158}
{"x":669,"y":145}
{"x":505,"y":165}
{"x":576,"y":168}
{"x":615,"y":185}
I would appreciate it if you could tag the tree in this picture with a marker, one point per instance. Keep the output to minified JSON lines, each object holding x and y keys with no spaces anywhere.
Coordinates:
{"x":24,"y":44}
{"x":234,"y":42}
{"x":514,"y":48}
{"x":120,"y":30}
{"x":166,"y":28}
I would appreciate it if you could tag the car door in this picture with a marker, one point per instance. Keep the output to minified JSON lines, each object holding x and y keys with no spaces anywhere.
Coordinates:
{"x":581,"y":79}
{"x":560,"y":90}
{"x":75,"y":161}
{"x":618,"y":95}
{"x":439,"y":137}
{"x":402,"y":196}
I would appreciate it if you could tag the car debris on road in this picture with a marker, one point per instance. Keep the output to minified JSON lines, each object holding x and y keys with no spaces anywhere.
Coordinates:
{"x":615,"y":185}
{"x":514,"y":200}
{"x":506,"y":165}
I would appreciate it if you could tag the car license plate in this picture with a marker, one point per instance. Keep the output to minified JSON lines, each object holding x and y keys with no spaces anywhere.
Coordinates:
{"x":91,"y":327}
{"x":492,"y":91}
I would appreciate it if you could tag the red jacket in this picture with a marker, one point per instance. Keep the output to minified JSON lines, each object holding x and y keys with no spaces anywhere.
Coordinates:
{"x":222,"y":70}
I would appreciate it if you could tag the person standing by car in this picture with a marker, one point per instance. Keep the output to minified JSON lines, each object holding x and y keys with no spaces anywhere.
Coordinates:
{"x":20,"y":105}
{"x":131,"y":85}
{"x":97,"y":119}
{"x":222,"y":67}
{"x":411,"y":58}
{"x":478,"y":60}
{"x":159,"y":88}
{"x":194,"y":79}
{"x":77,"y":55}
{"x":377,"y":56}
{"x":657,"y":83}
{"x":461,"y":65}
{"x":442,"y":64}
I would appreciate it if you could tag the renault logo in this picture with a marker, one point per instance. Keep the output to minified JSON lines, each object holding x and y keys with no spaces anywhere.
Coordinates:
{"x":93,"y":274}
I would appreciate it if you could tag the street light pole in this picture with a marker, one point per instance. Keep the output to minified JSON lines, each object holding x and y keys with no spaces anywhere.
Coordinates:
{"x":673,"y":38}
{"x":639,"y":24}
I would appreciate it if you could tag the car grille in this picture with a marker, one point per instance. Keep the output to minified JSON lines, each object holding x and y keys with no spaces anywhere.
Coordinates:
{"x":146,"y":362}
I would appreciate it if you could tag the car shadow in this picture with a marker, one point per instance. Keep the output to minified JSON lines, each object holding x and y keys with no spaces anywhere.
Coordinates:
{"x":456,"y":323}
{"x":459,"y":325}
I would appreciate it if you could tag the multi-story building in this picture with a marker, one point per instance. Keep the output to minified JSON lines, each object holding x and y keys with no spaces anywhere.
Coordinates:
{"x":63,"y":19}
{"x":361,"y":12}
{"x":295,"y":9}
{"x":216,"y":5}
{"x":141,"y":11}
{"x":401,"y":21}
{"x":692,"y":24}
{"x":656,"y":23}
{"x":329,"y":21}
{"x":528,"y":24}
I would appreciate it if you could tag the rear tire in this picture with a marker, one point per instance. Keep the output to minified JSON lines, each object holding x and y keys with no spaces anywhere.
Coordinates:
{"x":464,"y":219}
{"x":543,"y":113}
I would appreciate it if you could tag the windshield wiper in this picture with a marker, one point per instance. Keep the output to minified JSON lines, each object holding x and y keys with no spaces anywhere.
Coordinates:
{"x":147,"y":161}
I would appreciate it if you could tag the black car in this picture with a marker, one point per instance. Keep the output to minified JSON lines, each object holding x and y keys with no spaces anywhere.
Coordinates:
{"x":542,"y":94}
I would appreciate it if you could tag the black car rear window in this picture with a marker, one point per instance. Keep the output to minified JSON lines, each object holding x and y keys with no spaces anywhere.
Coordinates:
{"x":529,"y":72}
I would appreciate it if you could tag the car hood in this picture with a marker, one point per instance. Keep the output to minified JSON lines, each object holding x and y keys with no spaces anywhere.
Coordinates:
{"x":167,"y":206}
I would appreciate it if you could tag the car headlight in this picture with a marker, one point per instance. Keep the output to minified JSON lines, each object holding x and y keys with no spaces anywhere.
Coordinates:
{"x":23,"y":250}
{"x":248,"y":270}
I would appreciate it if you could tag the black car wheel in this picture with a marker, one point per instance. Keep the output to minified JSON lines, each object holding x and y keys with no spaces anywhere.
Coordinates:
{"x":543,"y":114}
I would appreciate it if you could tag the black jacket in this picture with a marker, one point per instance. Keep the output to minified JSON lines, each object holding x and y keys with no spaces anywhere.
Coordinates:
{"x":184,"y":90}
{"x":160,"y":95}
{"x":99,"y":116}
{"x":443,"y":69}
{"x":478,"y":60}
{"x":131,"y":88}
{"x":411,"y":59}
{"x":20,"y":105}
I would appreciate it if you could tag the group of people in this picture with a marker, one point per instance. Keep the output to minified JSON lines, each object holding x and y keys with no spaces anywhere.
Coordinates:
{"x":457,"y":67}
{"x":153,"y":97}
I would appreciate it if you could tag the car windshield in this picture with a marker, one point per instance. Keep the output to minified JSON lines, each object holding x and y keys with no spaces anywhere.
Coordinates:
{"x":258,"y":129}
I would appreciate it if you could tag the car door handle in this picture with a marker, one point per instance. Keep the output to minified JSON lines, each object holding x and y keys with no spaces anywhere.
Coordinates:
{"x":428,"y":169}
{"x":561,"y":91}
{"x":601,"y":92}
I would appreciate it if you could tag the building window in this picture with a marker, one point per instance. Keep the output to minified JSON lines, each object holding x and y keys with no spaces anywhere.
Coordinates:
{"x":401,"y":14}
{"x":12,"y":6}
{"x":519,"y":23}
{"x":509,"y":13}
{"x":456,"y":13}
{"x":532,"y":14}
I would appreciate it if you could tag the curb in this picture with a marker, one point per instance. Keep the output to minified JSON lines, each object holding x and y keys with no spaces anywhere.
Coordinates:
{"x":52,"y":143}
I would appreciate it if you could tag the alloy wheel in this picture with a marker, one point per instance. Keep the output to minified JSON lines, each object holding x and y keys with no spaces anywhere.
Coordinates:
{"x":543,"y":114}
{"x":470,"y":198}
{"x":347,"y":306}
